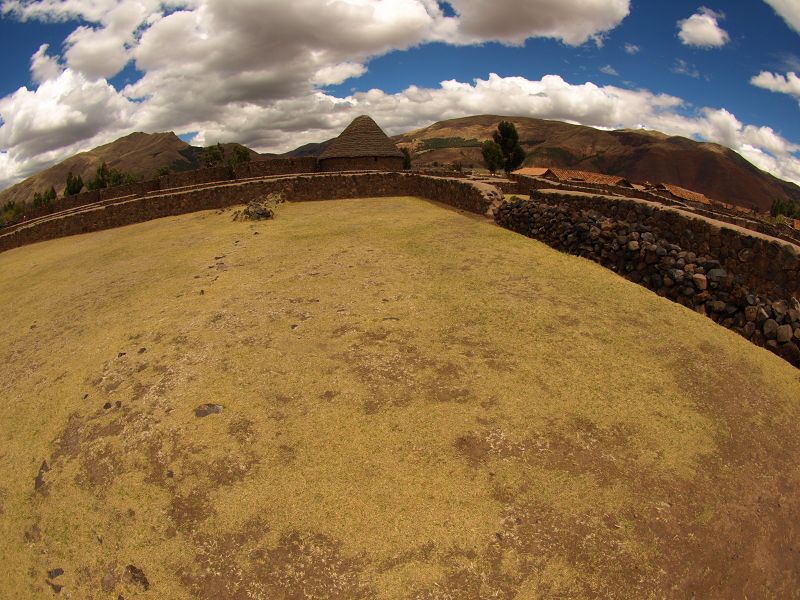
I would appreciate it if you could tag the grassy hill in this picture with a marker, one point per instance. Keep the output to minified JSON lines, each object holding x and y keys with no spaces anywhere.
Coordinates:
{"x":140,"y":154}
{"x":405,"y":402}
{"x":639,"y":155}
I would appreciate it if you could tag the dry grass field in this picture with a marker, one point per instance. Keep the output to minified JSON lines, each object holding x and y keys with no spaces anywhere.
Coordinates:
{"x":409,"y":402}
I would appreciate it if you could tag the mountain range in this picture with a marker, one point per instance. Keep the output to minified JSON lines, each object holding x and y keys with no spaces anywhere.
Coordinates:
{"x":638,"y":155}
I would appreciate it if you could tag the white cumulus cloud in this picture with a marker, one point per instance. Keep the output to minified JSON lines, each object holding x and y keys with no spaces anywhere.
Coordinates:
{"x":44,"y":66}
{"x":775,"y":82}
{"x":571,"y":21}
{"x":702,"y":29}
{"x":789,"y":10}
{"x":252,"y":71}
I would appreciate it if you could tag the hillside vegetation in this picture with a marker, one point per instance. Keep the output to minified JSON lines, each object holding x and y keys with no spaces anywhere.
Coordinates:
{"x":379,"y":398}
{"x":141,"y":155}
{"x":639,"y":155}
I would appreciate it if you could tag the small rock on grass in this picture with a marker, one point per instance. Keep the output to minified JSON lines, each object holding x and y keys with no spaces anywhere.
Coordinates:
{"x":207,"y":409}
{"x":137,"y":576}
{"x":38,"y":483}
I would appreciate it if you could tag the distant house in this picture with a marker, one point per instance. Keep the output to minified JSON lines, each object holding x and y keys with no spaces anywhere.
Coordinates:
{"x":532,"y":171}
{"x":679,"y":193}
{"x":572,"y":176}
{"x":362,"y":146}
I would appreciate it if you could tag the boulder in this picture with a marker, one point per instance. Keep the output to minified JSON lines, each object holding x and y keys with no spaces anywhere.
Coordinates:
{"x":700,"y":282}
{"x":770,"y":329}
{"x":784,"y":334}
{"x":750,"y":313}
{"x":717,"y":275}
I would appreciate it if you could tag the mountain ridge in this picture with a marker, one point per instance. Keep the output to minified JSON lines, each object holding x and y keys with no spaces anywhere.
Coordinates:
{"x":638,"y":155}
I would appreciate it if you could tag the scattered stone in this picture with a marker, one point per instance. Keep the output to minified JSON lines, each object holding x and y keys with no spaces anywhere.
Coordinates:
{"x":700,"y":281}
{"x":121,"y":354}
{"x":791,"y":352}
{"x":118,"y":404}
{"x":107,"y":405}
{"x":109,"y":581}
{"x":718,"y":306}
{"x":717,"y":275}
{"x":633,"y":246}
{"x":750,"y":313}
{"x":207,"y":409}
{"x":53,"y":573}
{"x":784,"y":334}
{"x":38,"y":483}
{"x":202,"y":292}
{"x":55,"y":587}
{"x":137,"y":576}
{"x":770,"y":329}
{"x":142,"y":350}
{"x":749,"y":329}
{"x":781,"y":307}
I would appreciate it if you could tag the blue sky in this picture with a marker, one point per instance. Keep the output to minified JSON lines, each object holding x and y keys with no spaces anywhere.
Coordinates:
{"x":277,"y":74}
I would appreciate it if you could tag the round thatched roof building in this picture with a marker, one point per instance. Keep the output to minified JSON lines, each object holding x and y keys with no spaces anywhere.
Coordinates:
{"x":362,"y":146}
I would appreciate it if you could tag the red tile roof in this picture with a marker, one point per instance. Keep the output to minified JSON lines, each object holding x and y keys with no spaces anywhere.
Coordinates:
{"x":684,"y":194}
{"x":532,"y":171}
{"x":587,"y":177}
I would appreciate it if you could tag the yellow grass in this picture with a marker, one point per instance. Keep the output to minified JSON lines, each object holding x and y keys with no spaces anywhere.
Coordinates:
{"x":416,"y":403}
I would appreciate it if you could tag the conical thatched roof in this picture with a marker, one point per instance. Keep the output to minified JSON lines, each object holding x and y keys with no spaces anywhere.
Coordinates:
{"x":361,"y":138}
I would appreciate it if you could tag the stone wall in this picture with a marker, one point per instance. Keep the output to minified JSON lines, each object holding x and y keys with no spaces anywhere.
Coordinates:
{"x":366,"y":163}
{"x":473,"y":197}
{"x":742,"y":280}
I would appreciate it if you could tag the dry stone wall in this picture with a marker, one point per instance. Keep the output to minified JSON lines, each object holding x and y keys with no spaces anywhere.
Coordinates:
{"x":473,"y":197}
{"x":363,"y":163}
{"x":743,"y":281}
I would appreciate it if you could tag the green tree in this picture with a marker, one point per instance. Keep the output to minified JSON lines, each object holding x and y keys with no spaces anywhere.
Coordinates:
{"x":74,"y":185}
{"x":11,"y":212}
{"x":787,"y":208}
{"x":163,"y":172}
{"x":507,"y":138}
{"x":101,"y":178}
{"x":50,"y":195}
{"x":492,"y":155}
{"x":240,"y":155}
{"x":213,"y":155}
{"x":106,"y":177}
{"x":38,"y":200}
{"x":406,"y":158}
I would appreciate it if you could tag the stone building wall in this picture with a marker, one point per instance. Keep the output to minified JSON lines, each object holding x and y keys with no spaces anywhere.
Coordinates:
{"x":365,"y":163}
{"x":473,"y":197}
{"x":742,"y":280}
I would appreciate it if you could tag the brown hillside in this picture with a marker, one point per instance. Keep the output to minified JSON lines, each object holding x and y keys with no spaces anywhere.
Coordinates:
{"x":141,"y":154}
{"x":638,"y":155}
